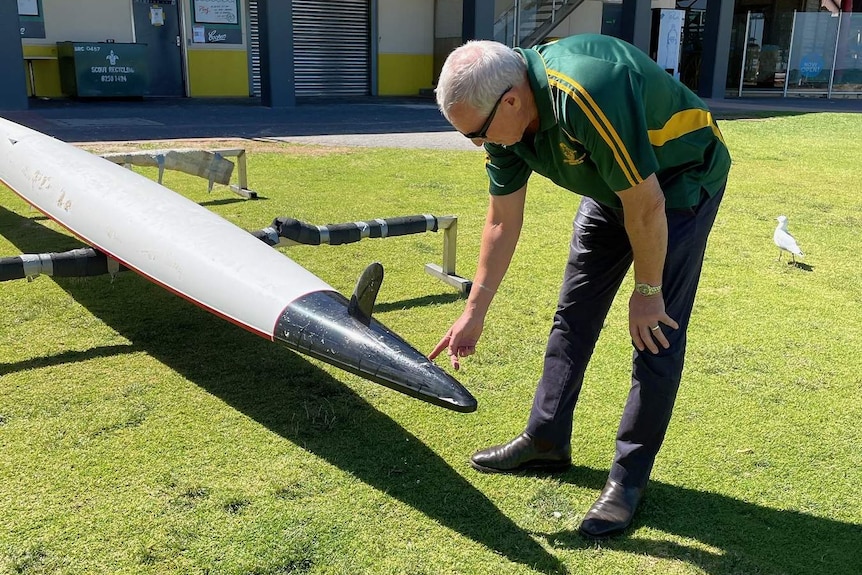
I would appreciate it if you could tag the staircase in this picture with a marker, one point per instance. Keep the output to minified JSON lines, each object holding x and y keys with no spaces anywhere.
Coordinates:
{"x":532,"y":19}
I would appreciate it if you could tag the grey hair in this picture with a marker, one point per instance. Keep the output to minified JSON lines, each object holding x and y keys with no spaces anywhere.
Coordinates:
{"x":476,"y":73}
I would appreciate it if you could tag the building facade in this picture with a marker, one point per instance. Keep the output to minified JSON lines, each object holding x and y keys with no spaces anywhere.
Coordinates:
{"x":283,"y":50}
{"x":796,"y":47}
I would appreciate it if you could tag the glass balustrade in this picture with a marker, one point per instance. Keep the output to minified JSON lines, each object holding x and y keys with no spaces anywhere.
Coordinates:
{"x":821,"y":57}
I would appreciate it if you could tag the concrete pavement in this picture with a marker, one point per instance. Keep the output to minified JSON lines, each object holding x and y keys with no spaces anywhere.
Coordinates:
{"x":369,"y":121}
{"x":374,"y":121}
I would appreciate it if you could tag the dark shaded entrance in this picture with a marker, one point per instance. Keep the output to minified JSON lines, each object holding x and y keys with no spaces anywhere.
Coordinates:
{"x":157,"y":24}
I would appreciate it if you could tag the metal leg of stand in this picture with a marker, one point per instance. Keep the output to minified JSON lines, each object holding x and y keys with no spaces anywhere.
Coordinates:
{"x":446,"y":272}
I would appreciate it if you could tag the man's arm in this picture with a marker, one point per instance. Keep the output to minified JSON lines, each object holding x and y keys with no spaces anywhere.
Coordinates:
{"x":500,"y":235}
{"x":646,"y":226}
{"x":499,"y":238}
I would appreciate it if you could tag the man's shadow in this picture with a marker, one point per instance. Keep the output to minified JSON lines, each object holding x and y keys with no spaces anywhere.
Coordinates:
{"x":282,"y":391}
{"x":748,"y":538}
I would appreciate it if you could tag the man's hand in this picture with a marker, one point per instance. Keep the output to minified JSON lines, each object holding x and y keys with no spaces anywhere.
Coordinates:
{"x":461,"y":339}
{"x":646,"y":314}
{"x":646,"y":226}
{"x":499,"y":238}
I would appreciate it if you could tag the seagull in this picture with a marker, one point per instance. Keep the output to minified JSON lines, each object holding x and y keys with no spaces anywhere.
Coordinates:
{"x":784,"y":241}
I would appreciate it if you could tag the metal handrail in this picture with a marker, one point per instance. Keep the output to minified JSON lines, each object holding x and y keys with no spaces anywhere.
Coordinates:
{"x":508,"y":26}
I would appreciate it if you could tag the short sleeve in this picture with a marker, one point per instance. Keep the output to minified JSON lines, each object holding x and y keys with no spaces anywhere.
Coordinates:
{"x":507,"y":172}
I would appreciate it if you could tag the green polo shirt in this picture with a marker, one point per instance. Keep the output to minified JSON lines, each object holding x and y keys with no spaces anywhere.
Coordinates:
{"x":609,"y":117}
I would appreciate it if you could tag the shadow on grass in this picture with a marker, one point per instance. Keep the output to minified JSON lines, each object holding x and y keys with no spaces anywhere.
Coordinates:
{"x":284,"y":392}
{"x":228,"y":201}
{"x":746,"y":538}
{"x":291,"y":396}
{"x":756,"y":114}
{"x":802,"y":266}
{"x":418,"y":302}
{"x":70,"y":356}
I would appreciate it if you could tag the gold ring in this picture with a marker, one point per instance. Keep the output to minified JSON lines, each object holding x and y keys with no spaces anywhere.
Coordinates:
{"x":654,"y":328}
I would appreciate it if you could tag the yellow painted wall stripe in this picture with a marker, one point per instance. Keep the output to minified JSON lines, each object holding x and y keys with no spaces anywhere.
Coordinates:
{"x":404,"y":74}
{"x":682,"y":123}
{"x":218,"y":73}
{"x":36,"y":50}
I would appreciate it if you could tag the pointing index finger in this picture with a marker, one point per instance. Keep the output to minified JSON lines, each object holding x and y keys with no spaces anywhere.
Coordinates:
{"x":440,"y":347}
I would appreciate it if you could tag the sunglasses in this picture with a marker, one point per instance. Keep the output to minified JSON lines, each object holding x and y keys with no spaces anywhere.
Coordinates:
{"x":483,"y":131}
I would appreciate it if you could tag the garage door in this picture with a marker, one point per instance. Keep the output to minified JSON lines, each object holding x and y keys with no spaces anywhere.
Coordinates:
{"x":331,"y":44}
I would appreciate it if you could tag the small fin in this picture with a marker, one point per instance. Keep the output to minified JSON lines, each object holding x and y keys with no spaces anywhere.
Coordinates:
{"x":365,"y":293}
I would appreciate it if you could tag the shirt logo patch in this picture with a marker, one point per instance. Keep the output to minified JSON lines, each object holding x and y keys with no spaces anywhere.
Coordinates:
{"x":570,"y":156}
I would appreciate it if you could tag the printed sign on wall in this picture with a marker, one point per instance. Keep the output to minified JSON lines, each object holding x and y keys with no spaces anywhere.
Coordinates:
{"x":219,"y":19}
{"x":28,"y":8}
{"x":216,"y":11}
{"x":31,"y":19}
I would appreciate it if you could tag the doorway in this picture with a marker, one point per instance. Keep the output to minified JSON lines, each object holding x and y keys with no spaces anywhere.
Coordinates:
{"x":157,"y":24}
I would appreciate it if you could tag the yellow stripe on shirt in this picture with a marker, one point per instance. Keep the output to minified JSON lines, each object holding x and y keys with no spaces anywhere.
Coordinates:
{"x":682,"y":123}
{"x":599,"y":121}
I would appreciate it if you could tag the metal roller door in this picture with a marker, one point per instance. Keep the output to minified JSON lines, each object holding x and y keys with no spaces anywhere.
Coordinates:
{"x":332,"y":45}
{"x":254,"y":48}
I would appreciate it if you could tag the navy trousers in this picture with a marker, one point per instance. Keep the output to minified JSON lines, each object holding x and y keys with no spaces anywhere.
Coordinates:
{"x":599,"y":258}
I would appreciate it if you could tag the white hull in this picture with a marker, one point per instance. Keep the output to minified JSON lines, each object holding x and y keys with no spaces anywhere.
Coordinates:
{"x":194,"y":253}
{"x":160,"y":234}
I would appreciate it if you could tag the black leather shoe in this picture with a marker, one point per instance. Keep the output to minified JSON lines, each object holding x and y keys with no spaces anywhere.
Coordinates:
{"x":612,"y":512}
{"x":521,"y":454}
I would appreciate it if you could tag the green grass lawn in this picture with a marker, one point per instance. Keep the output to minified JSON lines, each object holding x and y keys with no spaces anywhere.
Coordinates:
{"x":141,"y":435}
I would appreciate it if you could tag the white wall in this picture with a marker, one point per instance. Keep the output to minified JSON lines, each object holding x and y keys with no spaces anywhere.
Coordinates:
{"x":450,"y":15}
{"x":587,"y":18}
{"x":405,"y":26}
{"x":86,"y":21}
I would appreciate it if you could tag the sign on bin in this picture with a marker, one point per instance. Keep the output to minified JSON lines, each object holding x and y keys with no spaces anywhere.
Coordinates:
{"x":103,"y":69}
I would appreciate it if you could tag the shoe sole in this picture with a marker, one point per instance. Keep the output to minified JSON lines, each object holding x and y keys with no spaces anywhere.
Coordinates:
{"x":608,"y":535}
{"x":547,"y":467}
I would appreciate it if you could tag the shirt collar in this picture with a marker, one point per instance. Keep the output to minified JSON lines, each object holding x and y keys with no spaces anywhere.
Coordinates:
{"x":538,"y":78}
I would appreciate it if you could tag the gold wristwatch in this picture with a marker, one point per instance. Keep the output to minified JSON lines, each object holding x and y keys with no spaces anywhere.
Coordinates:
{"x":647,"y":290}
